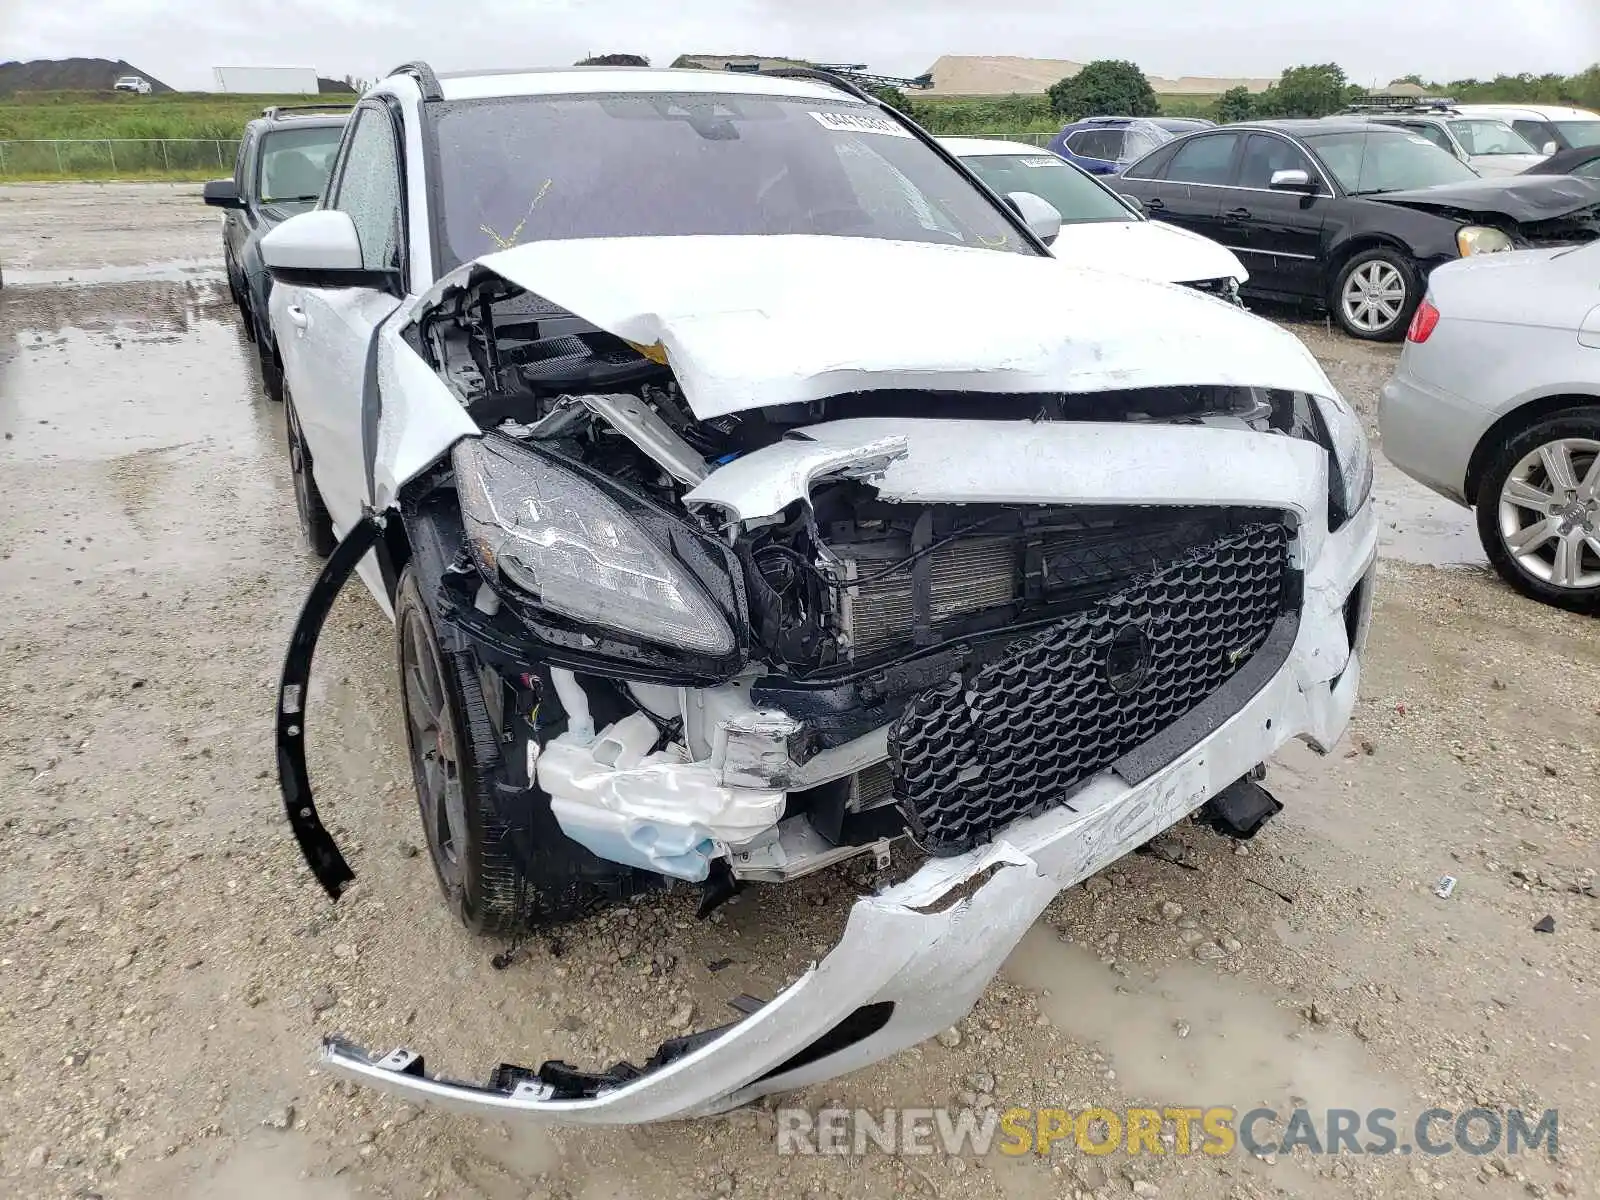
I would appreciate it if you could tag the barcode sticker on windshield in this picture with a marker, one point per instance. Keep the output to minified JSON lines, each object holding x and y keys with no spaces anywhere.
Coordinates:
{"x":860,"y":123}
{"x":1044,"y":160}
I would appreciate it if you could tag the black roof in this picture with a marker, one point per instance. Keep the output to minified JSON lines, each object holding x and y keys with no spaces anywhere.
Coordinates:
{"x":1301,"y":126}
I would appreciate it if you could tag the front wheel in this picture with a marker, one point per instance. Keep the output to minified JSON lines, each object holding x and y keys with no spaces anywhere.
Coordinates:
{"x":1539,"y":511}
{"x":501,"y":859}
{"x":1375,"y":294}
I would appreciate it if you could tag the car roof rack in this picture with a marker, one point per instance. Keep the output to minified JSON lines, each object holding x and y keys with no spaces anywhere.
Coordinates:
{"x":821,"y":76}
{"x":273,"y":111}
{"x":1405,"y":104}
{"x":423,"y":74}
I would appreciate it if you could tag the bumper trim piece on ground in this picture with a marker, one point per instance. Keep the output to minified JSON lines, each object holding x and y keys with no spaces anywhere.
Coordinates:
{"x":316,"y":843}
{"x":916,"y":956}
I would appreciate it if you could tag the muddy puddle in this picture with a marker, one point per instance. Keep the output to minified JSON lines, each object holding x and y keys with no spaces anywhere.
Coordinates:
{"x":1420,"y":526}
{"x":118,"y":369}
{"x":1187,"y":1035}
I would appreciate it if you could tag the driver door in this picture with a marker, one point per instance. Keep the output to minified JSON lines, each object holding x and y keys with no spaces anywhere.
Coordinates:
{"x":324,"y":334}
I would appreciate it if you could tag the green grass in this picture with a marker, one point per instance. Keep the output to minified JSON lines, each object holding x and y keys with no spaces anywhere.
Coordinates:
{"x":193,"y":123}
{"x":125,"y":115}
{"x":979,"y":115}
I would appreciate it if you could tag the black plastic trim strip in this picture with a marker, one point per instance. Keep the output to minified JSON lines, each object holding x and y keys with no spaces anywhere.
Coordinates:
{"x":1208,"y":716}
{"x":316,"y":843}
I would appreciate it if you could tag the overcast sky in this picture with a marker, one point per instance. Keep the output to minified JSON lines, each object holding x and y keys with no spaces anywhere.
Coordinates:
{"x":179,"y":41}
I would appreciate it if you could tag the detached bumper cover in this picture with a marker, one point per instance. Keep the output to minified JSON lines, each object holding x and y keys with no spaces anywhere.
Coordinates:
{"x":914,"y":958}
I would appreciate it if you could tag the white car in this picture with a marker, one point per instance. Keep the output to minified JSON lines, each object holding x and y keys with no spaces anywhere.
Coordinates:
{"x":1547,"y":127}
{"x":1099,"y":228}
{"x":1486,"y":144}
{"x":132,"y":83}
{"x":751,"y":491}
{"x":1496,"y":404}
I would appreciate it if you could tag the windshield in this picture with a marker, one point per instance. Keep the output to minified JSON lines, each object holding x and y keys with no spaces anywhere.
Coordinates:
{"x":1490,"y":137}
{"x":1579,"y":133}
{"x":1077,"y":197}
{"x":295,"y":163}
{"x":538,"y":168}
{"x":1365,"y":161}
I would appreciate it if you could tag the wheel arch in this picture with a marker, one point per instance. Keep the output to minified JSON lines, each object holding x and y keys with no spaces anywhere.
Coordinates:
{"x":1357,"y":243}
{"x":1510,"y":424}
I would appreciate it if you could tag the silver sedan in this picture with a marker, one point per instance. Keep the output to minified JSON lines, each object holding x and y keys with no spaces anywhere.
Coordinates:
{"x":1496,"y":405}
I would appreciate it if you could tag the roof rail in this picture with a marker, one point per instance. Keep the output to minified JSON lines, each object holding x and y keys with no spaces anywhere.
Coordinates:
{"x":423,"y":74}
{"x":1415,"y":104}
{"x":273,"y":111}
{"x":821,"y":76}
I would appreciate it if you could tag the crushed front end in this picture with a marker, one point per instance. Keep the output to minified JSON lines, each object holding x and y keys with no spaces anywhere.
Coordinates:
{"x":1018,"y":633}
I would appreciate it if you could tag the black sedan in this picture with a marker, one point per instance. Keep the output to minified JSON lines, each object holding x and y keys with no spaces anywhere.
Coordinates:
{"x":1583,"y":161}
{"x":1350,"y":214}
{"x":281,"y":169}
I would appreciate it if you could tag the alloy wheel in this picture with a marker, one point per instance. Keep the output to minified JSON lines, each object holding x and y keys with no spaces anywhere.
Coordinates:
{"x":1374,"y":296}
{"x":435,"y":755}
{"x":1550,"y":513}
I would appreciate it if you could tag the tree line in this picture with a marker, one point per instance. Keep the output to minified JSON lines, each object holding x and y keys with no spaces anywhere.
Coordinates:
{"x":1118,"y":87}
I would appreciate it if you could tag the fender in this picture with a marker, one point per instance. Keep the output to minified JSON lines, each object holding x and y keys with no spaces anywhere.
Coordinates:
{"x":316,"y":843}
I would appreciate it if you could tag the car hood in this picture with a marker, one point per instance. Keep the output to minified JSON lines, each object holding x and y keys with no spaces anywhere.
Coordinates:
{"x":1495,"y":166}
{"x":1146,"y":250}
{"x":747,"y":322}
{"x":1522,"y":198}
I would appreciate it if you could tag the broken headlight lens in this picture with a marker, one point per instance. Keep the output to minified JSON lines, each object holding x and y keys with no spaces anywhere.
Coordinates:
{"x":555,"y":535}
{"x":1352,"y":458}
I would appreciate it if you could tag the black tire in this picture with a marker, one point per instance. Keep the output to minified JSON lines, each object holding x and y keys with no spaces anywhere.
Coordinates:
{"x":500,"y":857}
{"x":248,"y":316}
{"x":1389,"y":265}
{"x":271,"y":369}
{"x":1583,"y":426}
{"x":315,"y":523}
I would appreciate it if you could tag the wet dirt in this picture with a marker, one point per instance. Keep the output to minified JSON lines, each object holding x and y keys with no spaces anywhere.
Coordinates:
{"x":167,"y":966}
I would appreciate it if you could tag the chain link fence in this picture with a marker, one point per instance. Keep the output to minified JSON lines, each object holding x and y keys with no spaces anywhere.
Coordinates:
{"x":115,"y":158}
{"x":131,"y":158}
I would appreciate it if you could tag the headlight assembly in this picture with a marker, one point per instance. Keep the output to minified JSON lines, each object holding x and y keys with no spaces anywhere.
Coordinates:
{"x":577,"y":551}
{"x":1480,"y":239}
{"x":1352,"y":459}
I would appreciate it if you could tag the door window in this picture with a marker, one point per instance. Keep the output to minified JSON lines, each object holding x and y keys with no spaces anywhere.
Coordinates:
{"x":369,"y":190}
{"x":1435,"y":135}
{"x":1204,"y":159}
{"x":1536,"y":132}
{"x":1103,"y":144}
{"x":1265,"y":154}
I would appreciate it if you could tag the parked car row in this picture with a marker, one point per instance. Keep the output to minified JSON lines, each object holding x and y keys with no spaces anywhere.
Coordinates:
{"x":280,"y":169}
{"x":790,"y":508}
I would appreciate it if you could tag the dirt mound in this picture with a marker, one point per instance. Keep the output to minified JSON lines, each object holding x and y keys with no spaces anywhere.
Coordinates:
{"x":69,"y":75}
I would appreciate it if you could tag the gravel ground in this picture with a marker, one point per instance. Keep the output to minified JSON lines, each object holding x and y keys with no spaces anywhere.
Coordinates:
{"x":167,"y":966}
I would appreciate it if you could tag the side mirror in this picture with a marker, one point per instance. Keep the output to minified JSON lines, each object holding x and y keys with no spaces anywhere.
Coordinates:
{"x":1132,"y":203}
{"x":321,"y":249}
{"x":221,"y":193}
{"x":1291,"y":181}
{"x":1038,"y":213}
{"x":1549,"y":149}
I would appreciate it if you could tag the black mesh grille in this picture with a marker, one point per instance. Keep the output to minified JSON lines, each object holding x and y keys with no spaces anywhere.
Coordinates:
{"x":973,"y":755}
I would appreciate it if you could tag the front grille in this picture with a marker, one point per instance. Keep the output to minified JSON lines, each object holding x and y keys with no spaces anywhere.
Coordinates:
{"x":964,"y":577}
{"x":974,"y":754}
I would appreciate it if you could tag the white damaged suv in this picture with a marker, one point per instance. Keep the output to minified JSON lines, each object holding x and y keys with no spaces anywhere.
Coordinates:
{"x":751,"y":490}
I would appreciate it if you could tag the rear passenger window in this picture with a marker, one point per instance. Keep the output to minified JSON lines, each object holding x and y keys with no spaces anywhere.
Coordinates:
{"x":1204,"y":159}
{"x":1153,"y":164}
{"x":1535,"y":131}
{"x":1096,"y":143}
